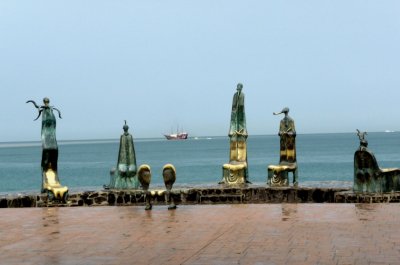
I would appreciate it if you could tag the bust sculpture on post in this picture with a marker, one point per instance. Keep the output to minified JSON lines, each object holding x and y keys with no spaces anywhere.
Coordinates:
{"x":50,"y":181}
{"x":278,"y":174}
{"x":236,"y":172}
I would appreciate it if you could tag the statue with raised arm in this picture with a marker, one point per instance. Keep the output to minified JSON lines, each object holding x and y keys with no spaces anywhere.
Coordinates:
{"x":124,"y":176}
{"x":49,"y":164}
{"x":236,"y":172}
{"x":278,"y":174}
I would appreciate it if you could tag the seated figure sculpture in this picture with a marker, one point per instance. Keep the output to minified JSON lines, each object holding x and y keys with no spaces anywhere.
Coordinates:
{"x":368,"y":176}
{"x":236,"y":171}
{"x":50,"y":181}
{"x":124,"y":176}
{"x":278,"y":174}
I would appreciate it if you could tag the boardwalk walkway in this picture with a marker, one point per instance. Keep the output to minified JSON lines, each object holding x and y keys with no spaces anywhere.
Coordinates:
{"x":203,"y":234}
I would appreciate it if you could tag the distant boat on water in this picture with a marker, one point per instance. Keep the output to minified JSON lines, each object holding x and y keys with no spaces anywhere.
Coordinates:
{"x":177,"y":136}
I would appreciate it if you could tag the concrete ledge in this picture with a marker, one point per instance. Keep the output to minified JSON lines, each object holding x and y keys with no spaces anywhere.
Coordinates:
{"x":191,"y":196}
{"x":352,"y":197}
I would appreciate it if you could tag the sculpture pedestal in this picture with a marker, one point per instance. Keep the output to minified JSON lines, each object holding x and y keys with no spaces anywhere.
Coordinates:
{"x":51,"y":185}
{"x":278,"y":175}
{"x":234,"y":173}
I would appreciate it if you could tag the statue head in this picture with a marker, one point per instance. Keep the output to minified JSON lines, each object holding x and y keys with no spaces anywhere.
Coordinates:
{"x":239,"y":87}
{"x":46,"y":101}
{"x":284,"y":111}
{"x":361,"y":136}
{"x":125,"y":128}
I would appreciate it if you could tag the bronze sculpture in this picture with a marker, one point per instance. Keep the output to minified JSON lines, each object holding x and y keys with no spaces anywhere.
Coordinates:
{"x":368,"y":176}
{"x":50,"y":181}
{"x":169,"y":176}
{"x":144,"y":176}
{"x":278,"y":174}
{"x":124,"y":176}
{"x":236,"y":171}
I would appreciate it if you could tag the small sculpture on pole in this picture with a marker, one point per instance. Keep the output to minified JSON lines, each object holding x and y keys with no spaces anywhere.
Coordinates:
{"x":144,"y":176}
{"x":169,"y":176}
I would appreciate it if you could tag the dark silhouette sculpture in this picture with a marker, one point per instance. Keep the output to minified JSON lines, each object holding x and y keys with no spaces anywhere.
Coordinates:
{"x":124,"y":176}
{"x":50,"y":181}
{"x":368,"y":176}
{"x":236,"y":171}
{"x":278,"y":174}
{"x":169,"y":176}
{"x":144,"y":176}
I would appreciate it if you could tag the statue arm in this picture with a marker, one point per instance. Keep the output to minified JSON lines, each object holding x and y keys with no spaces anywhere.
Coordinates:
{"x":36,"y":106}
{"x":292,"y":130}
{"x":40,"y":112}
{"x":59,"y":113}
{"x":34,"y":103}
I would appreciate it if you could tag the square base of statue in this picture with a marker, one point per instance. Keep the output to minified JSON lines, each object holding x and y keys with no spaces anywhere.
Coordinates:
{"x":278,"y":175}
{"x":234,"y":173}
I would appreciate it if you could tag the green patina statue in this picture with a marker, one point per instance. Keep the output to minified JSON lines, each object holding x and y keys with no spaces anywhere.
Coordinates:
{"x":368,"y":176}
{"x":50,"y":181}
{"x":278,"y":174}
{"x":124,"y":176}
{"x":236,"y":171}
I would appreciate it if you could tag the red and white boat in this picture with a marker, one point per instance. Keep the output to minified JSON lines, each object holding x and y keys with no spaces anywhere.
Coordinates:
{"x":177,"y":136}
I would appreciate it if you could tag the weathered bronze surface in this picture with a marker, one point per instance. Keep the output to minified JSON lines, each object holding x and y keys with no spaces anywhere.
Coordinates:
{"x":144,"y":176}
{"x":236,"y":171}
{"x":278,"y":174}
{"x":50,"y":181}
{"x":368,"y":176}
{"x":124,"y":176}
{"x":169,"y":176}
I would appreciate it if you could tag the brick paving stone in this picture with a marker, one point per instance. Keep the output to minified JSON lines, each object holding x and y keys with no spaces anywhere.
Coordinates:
{"x":203,"y":234}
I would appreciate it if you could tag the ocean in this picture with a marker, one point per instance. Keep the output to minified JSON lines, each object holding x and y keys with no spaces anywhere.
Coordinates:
{"x":324,"y":160}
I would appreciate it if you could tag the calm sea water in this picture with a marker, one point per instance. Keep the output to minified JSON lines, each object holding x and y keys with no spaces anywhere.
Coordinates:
{"x":323,"y":160}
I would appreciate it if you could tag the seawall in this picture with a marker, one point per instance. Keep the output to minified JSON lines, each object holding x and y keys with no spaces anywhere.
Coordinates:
{"x":209,"y":195}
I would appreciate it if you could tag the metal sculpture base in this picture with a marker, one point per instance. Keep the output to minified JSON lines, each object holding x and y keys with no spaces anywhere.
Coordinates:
{"x":51,"y":185}
{"x":278,"y":175}
{"x":234,"y":173}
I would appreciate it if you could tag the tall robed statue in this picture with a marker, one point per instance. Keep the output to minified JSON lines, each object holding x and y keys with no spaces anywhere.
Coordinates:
{"x":236,"y":172}
{"x":278,"y":174}
{"x":50,"y":181}
{"x":124,"y":176}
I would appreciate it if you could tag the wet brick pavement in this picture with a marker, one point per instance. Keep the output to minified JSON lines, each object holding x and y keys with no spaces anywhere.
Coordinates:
{"x":203,"y":234}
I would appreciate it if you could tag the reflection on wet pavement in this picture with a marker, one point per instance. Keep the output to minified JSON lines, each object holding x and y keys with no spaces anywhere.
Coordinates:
{"x":206,"y":234}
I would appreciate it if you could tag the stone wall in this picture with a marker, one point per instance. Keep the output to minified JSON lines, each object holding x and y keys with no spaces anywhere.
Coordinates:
{"x":351,"y":197}
{"x":214,"y":195}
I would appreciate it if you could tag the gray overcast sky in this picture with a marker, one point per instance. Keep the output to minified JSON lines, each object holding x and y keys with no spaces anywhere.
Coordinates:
{"x":159,"y":64}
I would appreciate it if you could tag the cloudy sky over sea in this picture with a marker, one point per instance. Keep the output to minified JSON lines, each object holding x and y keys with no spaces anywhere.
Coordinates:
{"x":163,"y":64}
